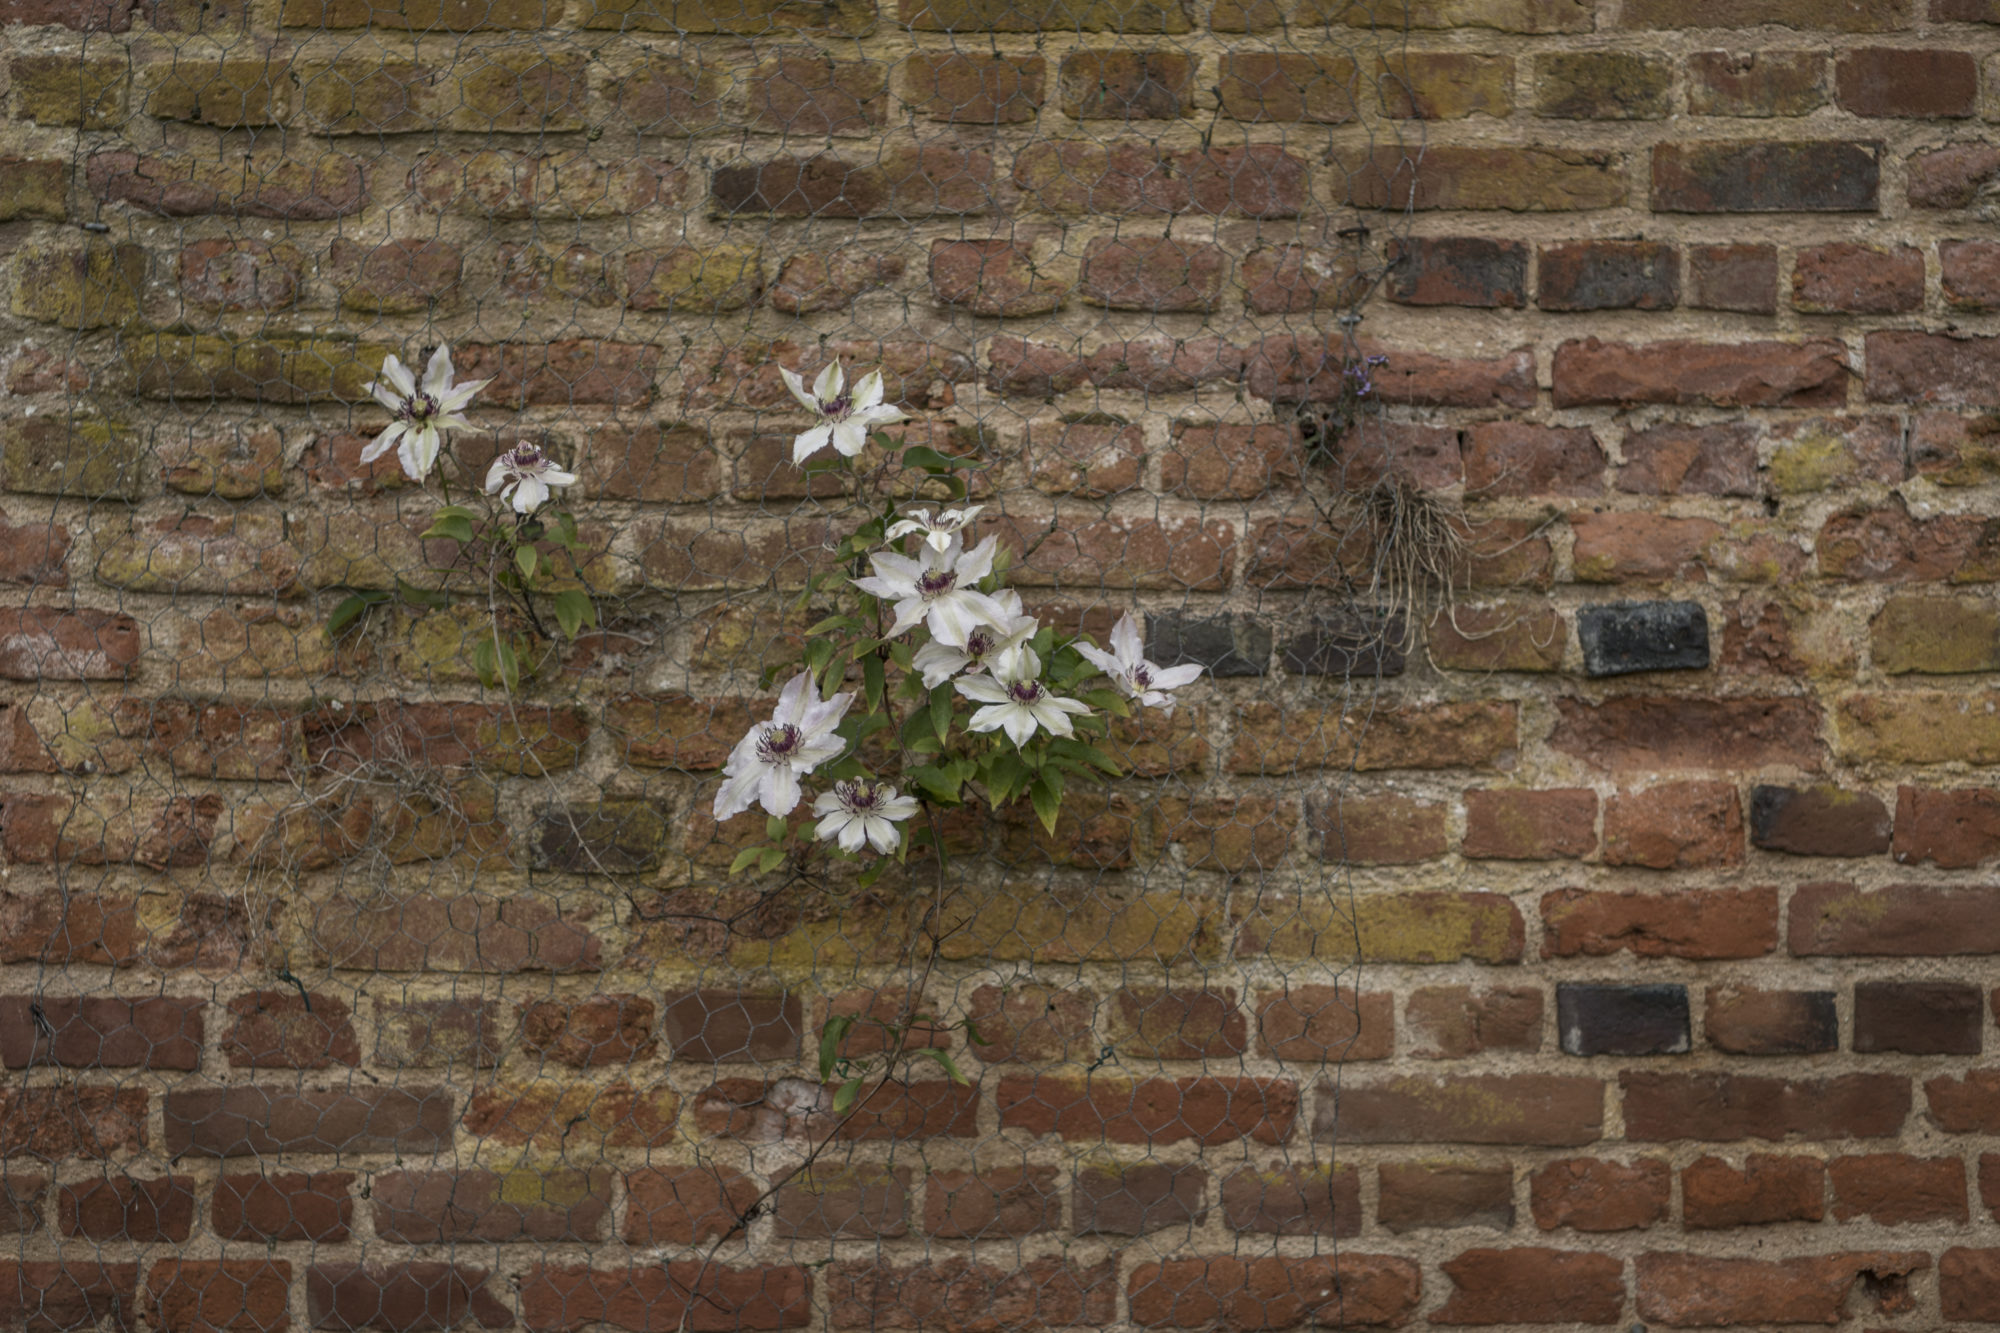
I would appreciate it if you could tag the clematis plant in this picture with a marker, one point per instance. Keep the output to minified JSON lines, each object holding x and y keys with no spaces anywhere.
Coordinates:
{"x":517,"y":544}
{"x":958,"y":695}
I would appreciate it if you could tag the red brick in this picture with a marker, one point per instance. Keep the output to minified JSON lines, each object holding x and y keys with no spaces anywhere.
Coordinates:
{"x":1741,"y":278}
{"x":1028,"y":1023}
{"x":1970,"y":278}
{"x":159,"y":1209}
{"x":994,"y":278}
{"x":1591,"y":1194}
{"x":1513,"y":458}
{"x":1891,"y":1189}
{"x":1533,"y":1286}
{"x":1969,"y":1284}
{"x":1413,"y":1196}
{"x":1608,"y":275}
{"x":395,"y":275}
{"x":993,"y":1203}
{"x":1291,"y":369}
{"x":1506,"y":637}
{"x":1260,"y":86}
{"x":1293,"y":1201}
{"x":1467,"y":735}
{"x":1989,"y":1182}
{"x":1120,"y":552}
{"x":471,"y":932}
{"x":1888,"y":545}
{"x":984,"y":89}
{"x":1675,"y":826}
{"x":21,"y":1199}
{"x":1918,"y":1017}
{"x":1954,"y":830}
{"x":1291,"y":279}
{"x":1721,"y":1107}
{"x":1757,"y":83}
{"x":1640,"y":733}
{"x":241,"y":275}
{"x":1619,"y":547}
{"x":220,"y":1295}
{"x":1702,"y":924}
{"x":1325,"y":1023}
{"x":1762,"y":176}
{"x":250,"y":1120}
{"x":977,"y":1297}
{"x":284,"y":1205}
{"x":43,"y":643}
{"x":1844,"y":277}
{"x":1417,"y":456}
{"x":286,"y":1030}
{"x":1127,"y":85}
{"x":1556,"y":1111}
{"x":399,"y":1297}
{"x":1744,"y":1020}
{"x":1155,"y":274}
{"x":1387,"y":830}
{"x":913,"y":1110}
{"x":1697,"y":1291}
{"x":685,"y":1205}
{"x":1272,"y":1293}
{"x":1134,"y":1198}
{"x":1170,"y":1024}
{"x":1086,"y":177}
{"x":1901,"y":920}
{"x":100,"y":1032}
{"x":53,"y":1296}
{"x":852,"y":1202}
{"x":1149,"y":1111}
{"x":585,"y":1034}
{"x":1515,"y":179}
{"x":1218,"y":461}
{"x":813,"y":282}
{"x":1511,"y":825}
{"x":1749,"y":374}
{"x":1767,"y":1188}
{"x":695,"y":1294}
{"x":1897,"y":81}
{"x":1459,"y":270}
{"x":1451,"y":1022}
{"x":1909,"y":366}
{"x":562,"y":374}
{"x":435,"y":1207}
{"x":811,"y":95}
{"x":267,"y":184}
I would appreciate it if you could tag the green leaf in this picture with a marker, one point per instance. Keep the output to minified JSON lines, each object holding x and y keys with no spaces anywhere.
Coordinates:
{"x":951,"y":1068}
{"x":775,"y":828}
{"x":832,"y":623}
{"x":566,"y":530}
{"x":937,"y":782}
{"x":483,"y":663}
{"x":1048,"y":802}
{"x":350,"y":608}
{"x":772,"y":858}
{"x":829,"y":1042}
{"x":509,"y":664}
{"x":525,"y":558}
{"x":744,"y":858}
{"x":415,"y":596}
{"x":844,"y":1099}
{"x":456,"y":511}
{"x":972,"y":1034}
{"x":574,"y":611}
{"x":942,"y":699}
{"x":930,"y":460}
{"x":456,"y":527}
{"x":873,"y":684}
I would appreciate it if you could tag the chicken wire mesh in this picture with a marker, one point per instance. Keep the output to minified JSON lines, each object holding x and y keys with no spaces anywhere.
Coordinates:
{"x":353,"y":992}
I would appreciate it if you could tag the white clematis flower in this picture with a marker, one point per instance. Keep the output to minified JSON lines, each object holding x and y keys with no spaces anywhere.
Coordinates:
{"x":765,"y":767}
{"x":527,"y":475}
{"x":986,"y":646}
{"x":936,"y":589}
{"x":938,"y":534}
{"x":1131,"y":674}
{"x":423,"y":412}
{"x":845,"y":418}
{"x":1017,"y":700}
{"x":862,"y":810}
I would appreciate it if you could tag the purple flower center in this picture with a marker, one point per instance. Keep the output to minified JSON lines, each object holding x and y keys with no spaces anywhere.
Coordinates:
{"x":780,"y":743}
{"x":1025,"y":691}
{"x":1141,"y":677}
{"x":936,"y":582}
{"x":525,"y":458}
{"x":859,"y":797}
{"x":838,"y":409}
{"x":978,"y":643}
{"x":419,"y":407}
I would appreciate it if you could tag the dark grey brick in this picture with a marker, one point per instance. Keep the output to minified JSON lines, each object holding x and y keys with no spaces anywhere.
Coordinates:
{"x":1623,"y":637}
{"x":1622,"y":1020}
{"x":1346,"y":643}
{"x":1228,"y":645}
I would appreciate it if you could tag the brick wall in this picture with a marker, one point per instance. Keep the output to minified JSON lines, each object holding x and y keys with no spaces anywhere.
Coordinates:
{"x":1616,"y":951}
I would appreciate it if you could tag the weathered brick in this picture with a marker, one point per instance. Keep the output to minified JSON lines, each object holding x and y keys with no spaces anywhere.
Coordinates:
{"x":1516,"y":637}
{"x":985,"y":89}
{"x":1622,"y":1020}
{"x":1591,"y":1194}
{"x":1532,"y":179}
{"x":1458,"y":270}
{"x":690,"y":1205}
{"x":1127,"y":85}
{"x":1748,"y":1021}
{"x":1532,"y":1286}
{"x":394,"y":1297}
{"x":1602,"y":85}
{"x":1918,"y":727}
{"x":264,"y":184}
{"x":1918,"y":1017}
{"x":1271,"y":739}
{"x":813,"y":282}
{"x":1899,"y":81}
{"x":934,"y":180}
{"x":64,"y":90}
{"x":1444,"y":85}
{"x":284,"y":1205}
{"x":1293,"y":1201}
{"x":128,"y":1209}
{"x":843,"y":1202}
{"x":1848,"y":278}
{"x":286,"y":1030}
{"x":251,"y":1120}
{"x":1753,"y":374}
{"x":995,"y":278}
{"x":1755,"y":176}
{"x":1698,"y":1291}
{"x":1742,"y":278}
{"x":1544,"y":1109}
{"x":220,"y":1295}
{"x":1895,"y":1188}
{"x":1272,"y":86}
{"x":1756,"y":83}
{"x":693,"y":1293}
{"x":1272,"y":1292}
{"x":1766,"y":1189}
{"x":1675,"y":826}
{"x":1150,"y":1111}
{"x":1637,"y":733}
{"x":1032,"y":1023}
{"x":1416,"y":1196}
{"x":1724,"y":1107}
{"x":1711,"y":923}
{"x":1132,"y":1199}
{"x":101,"y":1032}
{"x":1038,"y":1293}
{"x":1451,"y":1022}
{"x":73,"y":1120}
{"x":1082,"y":177}
{"x":1144,"y":273}
{"x":993,"y":1203}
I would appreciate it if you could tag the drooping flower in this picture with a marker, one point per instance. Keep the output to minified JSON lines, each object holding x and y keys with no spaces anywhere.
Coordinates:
{"x":766,"y":765}
{"x":937,"y":589}
{"x":1131,"y":674}
{"x":938,"y":534}
{"x":423,"y":412}
{"x":985,"y":646}
{"x":1017,"y":701}
{"x":861,"y":809}
{"x":845,"y":417}
{"x":527,"y":475}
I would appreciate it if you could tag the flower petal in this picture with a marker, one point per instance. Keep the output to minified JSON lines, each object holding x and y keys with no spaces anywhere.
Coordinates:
{"x":1125,"y":640}
{"x":868,"y":391}
{"x":1172,"y":678}
{"x":437,"y":375}
{"x":383,"y":442}
{"x":398,"y":375}
{"x":798,"y":388}
{"x":737,"y":793}
{"x":779,"y":791}
{"x":809,"y":442}
{"x":1019,"y":724}
{"x":850,"y":438}
{"x":827,"y":387}
{"x":386,"y":395}
{"x":496,"y":475}
{"x":531,"y":495}
{"x":982,"y":689}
